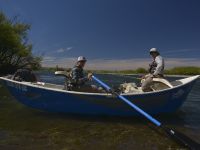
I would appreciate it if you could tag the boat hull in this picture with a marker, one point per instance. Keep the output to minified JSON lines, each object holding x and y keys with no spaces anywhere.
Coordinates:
{"x":166,"y":101}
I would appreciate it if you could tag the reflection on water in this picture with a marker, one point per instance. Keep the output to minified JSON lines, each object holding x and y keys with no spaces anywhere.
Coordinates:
{"x":25,"y":128}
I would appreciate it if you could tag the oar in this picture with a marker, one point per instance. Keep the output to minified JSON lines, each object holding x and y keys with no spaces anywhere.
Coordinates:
{"x":177,"y":136}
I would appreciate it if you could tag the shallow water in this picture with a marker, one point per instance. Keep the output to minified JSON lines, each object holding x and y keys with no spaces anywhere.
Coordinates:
{"x":25,"y":128}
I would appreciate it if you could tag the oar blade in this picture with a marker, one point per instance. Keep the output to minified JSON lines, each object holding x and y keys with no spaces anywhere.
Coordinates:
{"x":182,"y":139}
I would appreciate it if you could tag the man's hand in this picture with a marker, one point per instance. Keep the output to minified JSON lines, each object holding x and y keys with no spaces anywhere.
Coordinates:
{"x":147,"y":76}
{"x":90,"y":76}
{"x":151,"y":76}
{"x":143,"y":76}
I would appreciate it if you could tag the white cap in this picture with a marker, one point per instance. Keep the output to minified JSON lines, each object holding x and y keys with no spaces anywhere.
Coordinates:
{"x":81,"y":58}
{"x":153,"y":50}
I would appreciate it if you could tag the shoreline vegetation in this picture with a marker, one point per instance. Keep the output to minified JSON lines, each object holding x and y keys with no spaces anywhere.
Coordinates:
{"x":15,"y":47}
{"x":172,"y":71}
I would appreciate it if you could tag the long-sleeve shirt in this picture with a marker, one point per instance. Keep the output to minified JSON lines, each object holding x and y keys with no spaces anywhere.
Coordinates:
{"x":78,"y":77}
{"x":157,"y":66}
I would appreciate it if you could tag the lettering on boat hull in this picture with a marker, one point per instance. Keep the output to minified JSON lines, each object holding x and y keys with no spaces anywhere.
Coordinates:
{"x":17,"y":86}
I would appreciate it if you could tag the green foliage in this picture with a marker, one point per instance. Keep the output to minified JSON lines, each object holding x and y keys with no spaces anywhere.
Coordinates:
{"x":184,"y":71}
{"x":141,"y":70}
{"x":15,"y":50}
{"x":173,"y":71}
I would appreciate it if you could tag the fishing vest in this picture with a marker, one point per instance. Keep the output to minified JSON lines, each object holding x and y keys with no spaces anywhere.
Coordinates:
{"x":152,"y":67}
{"x":75,"y":75}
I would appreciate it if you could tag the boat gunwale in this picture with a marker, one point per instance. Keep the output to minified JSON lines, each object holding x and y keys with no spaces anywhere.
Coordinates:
{"x":102,"y":94}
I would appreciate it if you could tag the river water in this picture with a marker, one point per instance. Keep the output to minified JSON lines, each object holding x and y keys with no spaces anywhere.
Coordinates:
{"x":23,"y":128}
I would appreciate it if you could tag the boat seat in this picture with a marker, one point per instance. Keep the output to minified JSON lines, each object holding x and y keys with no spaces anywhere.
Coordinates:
{"x":164,"y":81}
{"x":160,"y":84}
{"x":176,"y":83}
{"x":54,"y":86}
{"x":63,"y":73}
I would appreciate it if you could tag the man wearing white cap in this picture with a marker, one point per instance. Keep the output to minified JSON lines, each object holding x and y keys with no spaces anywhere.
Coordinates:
{"x":78,"y":78}
{"x":156,"y":69}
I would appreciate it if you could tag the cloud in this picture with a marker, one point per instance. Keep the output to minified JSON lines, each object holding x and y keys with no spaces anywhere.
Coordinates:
{"x":119,"y":64}
{"x":48,"y":59}
{"x":61,"y":50}
{"x":69,"y":48}
{"x":62,"y":62}
{"x":176,"y":51}
{"x":180,"y":52}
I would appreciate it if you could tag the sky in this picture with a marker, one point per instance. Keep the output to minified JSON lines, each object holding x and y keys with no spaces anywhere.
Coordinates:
{"x":111,"y":34}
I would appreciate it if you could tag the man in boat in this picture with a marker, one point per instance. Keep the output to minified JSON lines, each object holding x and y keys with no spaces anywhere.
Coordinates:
{"x":79,"y":81}
{"x":25,"y":74}
{"x":156,"y":70}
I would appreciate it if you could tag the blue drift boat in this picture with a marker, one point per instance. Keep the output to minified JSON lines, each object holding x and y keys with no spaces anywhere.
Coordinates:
{"x":52,"y":98}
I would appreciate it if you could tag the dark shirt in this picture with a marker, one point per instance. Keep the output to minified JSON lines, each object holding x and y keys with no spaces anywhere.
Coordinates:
{"x":78,"y":77}
{"x":24,"y":75}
